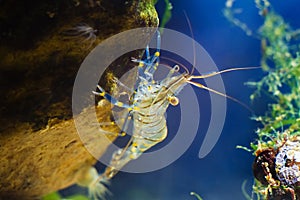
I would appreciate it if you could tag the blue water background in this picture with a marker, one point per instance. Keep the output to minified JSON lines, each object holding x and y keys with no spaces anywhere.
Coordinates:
{"x":221,"y":173}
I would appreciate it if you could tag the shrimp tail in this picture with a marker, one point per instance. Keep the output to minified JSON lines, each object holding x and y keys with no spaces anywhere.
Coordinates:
{"x":98,"y":190}
{"x":97,"y":185}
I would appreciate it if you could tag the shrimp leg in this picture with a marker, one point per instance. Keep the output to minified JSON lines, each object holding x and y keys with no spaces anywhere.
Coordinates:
{"x":111,"y":99}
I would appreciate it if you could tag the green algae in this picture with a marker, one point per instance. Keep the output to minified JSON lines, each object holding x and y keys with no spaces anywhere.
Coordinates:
{"x":57,"y":196}
{"x":167,"y":14}
{"x":196,"y":195}
{"x":279,"y":86}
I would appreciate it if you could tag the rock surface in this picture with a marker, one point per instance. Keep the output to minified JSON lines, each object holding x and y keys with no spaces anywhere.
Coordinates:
{"x":41,"y":151}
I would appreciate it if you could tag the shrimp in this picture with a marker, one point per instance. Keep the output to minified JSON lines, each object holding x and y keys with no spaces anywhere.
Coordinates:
{"x":149,"y":103}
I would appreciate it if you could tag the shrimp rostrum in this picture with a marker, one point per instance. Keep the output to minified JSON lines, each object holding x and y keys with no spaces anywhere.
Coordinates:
{"x":147,"y":109}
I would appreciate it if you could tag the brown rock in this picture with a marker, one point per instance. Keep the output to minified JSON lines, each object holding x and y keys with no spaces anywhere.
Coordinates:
{"x":40,"y":150}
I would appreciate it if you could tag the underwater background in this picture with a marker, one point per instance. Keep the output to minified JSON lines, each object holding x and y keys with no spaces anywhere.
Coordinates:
{"x":226,"y":170}
{"x":221,"y":174}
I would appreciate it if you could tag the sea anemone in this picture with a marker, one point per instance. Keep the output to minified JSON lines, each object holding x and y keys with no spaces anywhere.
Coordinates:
{"x":84,"y":32}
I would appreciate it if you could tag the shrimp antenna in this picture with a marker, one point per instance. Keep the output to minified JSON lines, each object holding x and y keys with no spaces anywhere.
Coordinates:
{"x":221,"y":72}
{"x":194,"y":57}
{"x":199,"y":85}
{"x":194,"y":46}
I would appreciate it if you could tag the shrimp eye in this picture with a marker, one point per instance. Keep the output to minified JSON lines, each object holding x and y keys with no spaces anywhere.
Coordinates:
{"x":174,"y":101}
